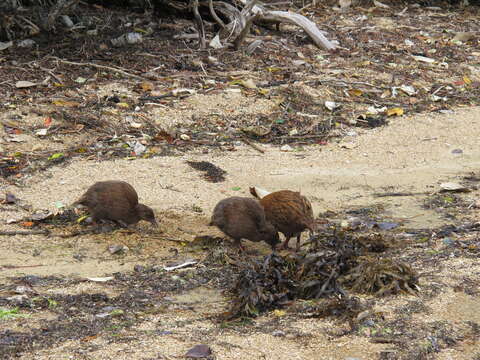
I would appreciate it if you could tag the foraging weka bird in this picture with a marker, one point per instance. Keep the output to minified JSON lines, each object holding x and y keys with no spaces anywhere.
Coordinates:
{"x":116,"y":201}
{"x":244,"y":218}
{"x":290,"y":212}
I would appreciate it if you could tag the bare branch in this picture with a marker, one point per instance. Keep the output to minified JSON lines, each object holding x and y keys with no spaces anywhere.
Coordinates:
{"x":199,"y":23}
{"x":214,"y":14}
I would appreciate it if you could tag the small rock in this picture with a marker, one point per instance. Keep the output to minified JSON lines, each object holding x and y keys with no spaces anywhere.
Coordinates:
{"x":184,"y":137}
{"x":347,"y":145}
{"x":102,"y":315}
{"x":212,"y":60}
{"x":18,"y":299}
{"x":278,"y":333}
{"x":10,"y":198}
{"x":66,"y":21}
{"x":331,"y":105}
{"x":457,"y":151}
{"x":215,"y":42}
{"x":22,"y":290}
{"x":113,"y":249}
{"x":26,"y":43}
{"x":139,"y":268}
{"x":387,"y":225}
{"x":286,"y":148}
{"x":199,"y":352}
{"x":454,"y":187}
{"x":108,"y":308}
{"x":448,"y":241}
{"x":32,"y":279}
{"x":369,"y":323}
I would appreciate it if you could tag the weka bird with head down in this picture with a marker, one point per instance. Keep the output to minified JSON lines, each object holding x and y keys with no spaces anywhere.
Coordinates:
{"x":290,"y":212}
{"x":116,"y":201}
{"x":244,"y":218}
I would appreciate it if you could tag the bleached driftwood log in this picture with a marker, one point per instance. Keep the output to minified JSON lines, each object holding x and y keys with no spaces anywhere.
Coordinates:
{"x":287,"y":16}
{"x":309,"y":26}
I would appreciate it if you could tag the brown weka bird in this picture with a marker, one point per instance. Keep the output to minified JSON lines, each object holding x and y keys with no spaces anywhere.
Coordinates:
{"x":289,"y":211}
{"x":116,"y":201}
{"x":244,"y":218}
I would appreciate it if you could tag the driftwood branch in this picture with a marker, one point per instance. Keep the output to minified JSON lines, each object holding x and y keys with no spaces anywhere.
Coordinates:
{"x":214,"y":15}
{"x":199,"y":24}
{"x":309,"y":26}
{"x":243,"y":34}
{"x":293,"y":18}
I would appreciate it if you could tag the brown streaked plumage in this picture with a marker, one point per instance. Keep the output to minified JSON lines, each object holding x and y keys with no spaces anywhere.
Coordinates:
{"x":289,"y":211}
{"x":244,"y":218}
{"x":117,"y":201}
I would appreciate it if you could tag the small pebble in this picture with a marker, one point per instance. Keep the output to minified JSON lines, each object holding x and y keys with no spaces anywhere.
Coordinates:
{"x":139,"y":268}
{"x":448,"y":241}
{"x":113,"y":249}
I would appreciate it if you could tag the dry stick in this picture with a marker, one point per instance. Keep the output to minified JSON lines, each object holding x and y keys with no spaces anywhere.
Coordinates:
{"x":199,"y":21}
{"x":25,"y":232}
{"x":214,"y":15}
{"x":169,"y":239}
{"x":388,"y":194}
{"x":249,"y":7}
{"x":100,"y":67}
{"x":254,"y":146}
{"x":19,"y":266}
{"x":36,"y":29}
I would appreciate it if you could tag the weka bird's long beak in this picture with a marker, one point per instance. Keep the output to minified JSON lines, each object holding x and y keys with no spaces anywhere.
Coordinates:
{"x":154,"y":222}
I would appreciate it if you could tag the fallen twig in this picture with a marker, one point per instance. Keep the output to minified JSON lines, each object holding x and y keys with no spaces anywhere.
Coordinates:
{"x":387,"y":194}
{"x":25,"y":232}
{"x":123,"y":72}
{"x":169,"y":239}
{"x":19,"y":266}
{"x":214,"y":15}
{"x":249,"y":143}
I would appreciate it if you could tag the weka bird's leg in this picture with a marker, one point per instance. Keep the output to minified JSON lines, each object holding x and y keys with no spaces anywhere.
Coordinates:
{"x":238,"y":242}
{"x":298,"y":242}
{"x":285,"y":243}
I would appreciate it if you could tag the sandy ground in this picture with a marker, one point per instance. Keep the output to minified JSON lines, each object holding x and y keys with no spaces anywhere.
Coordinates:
{"x":410,"y":155}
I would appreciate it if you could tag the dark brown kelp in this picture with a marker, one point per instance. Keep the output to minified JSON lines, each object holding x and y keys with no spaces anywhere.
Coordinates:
{"x":333,"y":264}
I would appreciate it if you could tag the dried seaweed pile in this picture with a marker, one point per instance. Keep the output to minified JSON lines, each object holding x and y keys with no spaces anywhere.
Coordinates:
{"x":335,"y":263}
{"x":381,"y":277}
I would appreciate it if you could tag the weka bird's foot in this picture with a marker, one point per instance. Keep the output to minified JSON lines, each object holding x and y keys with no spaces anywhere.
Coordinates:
{"x":241,"y":248}
{"x":284,"y":245}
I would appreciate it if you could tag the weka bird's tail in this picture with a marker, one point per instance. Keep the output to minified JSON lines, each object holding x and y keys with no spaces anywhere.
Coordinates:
{"x":258,"y":192}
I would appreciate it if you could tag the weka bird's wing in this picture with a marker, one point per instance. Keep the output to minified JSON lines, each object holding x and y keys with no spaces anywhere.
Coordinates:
{"x":256,"y":213}
{"x":129,"y":193}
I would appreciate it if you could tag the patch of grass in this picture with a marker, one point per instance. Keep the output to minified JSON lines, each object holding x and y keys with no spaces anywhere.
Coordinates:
{"x":11,"y":314}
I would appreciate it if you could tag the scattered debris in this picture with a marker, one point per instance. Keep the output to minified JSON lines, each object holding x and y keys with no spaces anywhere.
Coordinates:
{"x":199,"y":352}
{"x":212,"y":172}
{"x":180,"y":265}
{"x":453,"y":187}
{"x":101,"y":279}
